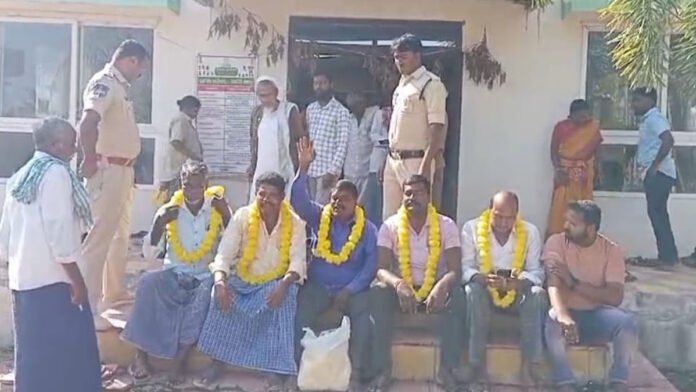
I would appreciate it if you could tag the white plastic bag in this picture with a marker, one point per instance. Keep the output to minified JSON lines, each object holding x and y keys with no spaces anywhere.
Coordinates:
{"x":325,"y":364}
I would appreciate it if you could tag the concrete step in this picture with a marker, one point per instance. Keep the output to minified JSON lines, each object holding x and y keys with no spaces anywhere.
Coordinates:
{"x":415,"y":356}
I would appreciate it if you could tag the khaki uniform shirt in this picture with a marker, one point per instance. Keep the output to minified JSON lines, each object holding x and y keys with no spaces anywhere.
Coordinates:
{"x":180,"y":129}
{"x":419,"y":100}
{"x":107,"y":94}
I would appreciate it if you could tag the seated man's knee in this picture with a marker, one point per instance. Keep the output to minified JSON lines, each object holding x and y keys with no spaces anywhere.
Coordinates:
{"x":457,"y":299}
{"x":475,"y":290}
{"x":629,"y":323}
{"x":538,"y":295}
{"x":380,"y":292}
{"x":148,"y":281}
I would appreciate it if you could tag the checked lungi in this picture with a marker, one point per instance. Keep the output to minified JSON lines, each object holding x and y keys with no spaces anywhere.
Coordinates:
{"x":250,"y":334}
{"x":170,"y":308}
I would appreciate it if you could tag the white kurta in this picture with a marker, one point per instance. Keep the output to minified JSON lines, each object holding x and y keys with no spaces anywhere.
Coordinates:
{"x":274,"y":146}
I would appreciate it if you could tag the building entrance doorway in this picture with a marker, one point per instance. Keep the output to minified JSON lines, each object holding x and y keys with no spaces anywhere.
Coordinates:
{"x":356,"y":52}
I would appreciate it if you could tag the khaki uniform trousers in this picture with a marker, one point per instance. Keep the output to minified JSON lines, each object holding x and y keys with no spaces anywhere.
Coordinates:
{"x":396,"y":171}
{"x":105,"y":249}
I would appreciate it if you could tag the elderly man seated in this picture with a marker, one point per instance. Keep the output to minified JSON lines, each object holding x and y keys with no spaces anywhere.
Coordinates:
{"x":259,"y":266}
{"x":171,"y":304}
{"x":419,"y":270}
{"x":502,"y":271}
{"x":586,"y":286}
{"x":343,"y":265}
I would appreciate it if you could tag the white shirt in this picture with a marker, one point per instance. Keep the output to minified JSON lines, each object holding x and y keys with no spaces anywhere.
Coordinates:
{"x":360,"y":145}
{"x":37,"y":238}
{"x":379,"y":133}
{"x":502,"y":255}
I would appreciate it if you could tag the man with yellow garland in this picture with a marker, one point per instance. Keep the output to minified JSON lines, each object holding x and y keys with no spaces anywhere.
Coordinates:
{"x":502,"y":272}
{"x":171,"y":304}
{"x":419,"y":270}
{"x":343,"y":265}
{"x":260,"y":263}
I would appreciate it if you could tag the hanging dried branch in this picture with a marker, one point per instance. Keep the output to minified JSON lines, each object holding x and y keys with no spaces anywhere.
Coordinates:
{"x":482,"y":67}
{"x":229,"y":20}
{"x":533,"y":5}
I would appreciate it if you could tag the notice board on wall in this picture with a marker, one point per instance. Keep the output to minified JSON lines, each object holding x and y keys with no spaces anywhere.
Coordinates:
{"x":226,"y":91}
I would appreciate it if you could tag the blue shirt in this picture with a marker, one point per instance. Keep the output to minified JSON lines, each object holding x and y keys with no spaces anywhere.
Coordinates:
{"x":192,"y":230}
{"x":356,"y":273}
{"x":652,"y":125}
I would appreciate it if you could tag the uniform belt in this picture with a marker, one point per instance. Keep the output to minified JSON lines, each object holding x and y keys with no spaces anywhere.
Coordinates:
{"x":406,"y":154}
{"x":118,"y":161}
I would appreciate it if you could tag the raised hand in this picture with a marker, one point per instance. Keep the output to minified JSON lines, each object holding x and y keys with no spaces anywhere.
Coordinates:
{"x":305,"y":154}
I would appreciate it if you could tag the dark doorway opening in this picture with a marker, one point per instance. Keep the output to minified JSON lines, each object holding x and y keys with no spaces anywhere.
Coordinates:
{"x":356,"y":52}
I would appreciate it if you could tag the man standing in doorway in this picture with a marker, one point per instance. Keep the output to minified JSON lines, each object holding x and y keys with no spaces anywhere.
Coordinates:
{"x":328,"y":122}
{"x":110,"y":143}
{"x":417,"y":129}
{"x":357,"y":165}
{"x":654,"y":158}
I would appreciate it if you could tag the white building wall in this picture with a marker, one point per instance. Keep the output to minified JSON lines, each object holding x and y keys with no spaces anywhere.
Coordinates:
{"x":505,"y":132}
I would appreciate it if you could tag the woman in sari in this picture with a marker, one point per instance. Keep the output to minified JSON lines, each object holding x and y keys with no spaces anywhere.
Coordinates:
{"x":573,"y":147}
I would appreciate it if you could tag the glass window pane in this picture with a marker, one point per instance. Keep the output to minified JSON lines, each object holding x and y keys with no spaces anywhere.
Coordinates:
{"x":15,"y":150}
{"x":144,"y":166}
{"x":680,"y":106}
{"x":685,"y":158}
{"x":615,"y":169}
{"x":99,"y":43}
{"x":35,"y":62}
{"x":606,"y":91}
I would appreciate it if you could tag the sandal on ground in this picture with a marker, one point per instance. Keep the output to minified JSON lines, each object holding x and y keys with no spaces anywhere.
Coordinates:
{"x":629,"y":277}
{"x":139,"y":373}
{"x":643,"y":262}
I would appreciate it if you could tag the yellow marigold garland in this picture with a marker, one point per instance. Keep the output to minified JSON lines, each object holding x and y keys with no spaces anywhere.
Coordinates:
{"x":211,"y":235}
{"x":434,"y":250}
{"x":249,"y":253}
{"x":483,"y":242}
{"x":323,"y":248}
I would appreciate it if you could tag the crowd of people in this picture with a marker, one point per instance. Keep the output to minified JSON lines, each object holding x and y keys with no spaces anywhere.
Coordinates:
{"x":310,"y":247}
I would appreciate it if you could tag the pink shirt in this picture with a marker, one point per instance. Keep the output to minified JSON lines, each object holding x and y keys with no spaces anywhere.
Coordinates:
{"x":598,"y":264}
{"x":418,"y":244}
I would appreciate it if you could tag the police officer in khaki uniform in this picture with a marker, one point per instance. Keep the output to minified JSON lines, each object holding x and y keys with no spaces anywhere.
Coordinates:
{"x":418,"y":124}
{"x":110,"y":143}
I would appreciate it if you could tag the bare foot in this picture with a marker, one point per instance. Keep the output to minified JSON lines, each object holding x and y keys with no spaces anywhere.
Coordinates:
{"x":140,"y":369}
{"x":446,"y":380}
{"x":210,"y":375}
{"x":176,"y":377}
{"x":274,"y":383}
{"x":291,"y":384}
{"x":381,"y":383}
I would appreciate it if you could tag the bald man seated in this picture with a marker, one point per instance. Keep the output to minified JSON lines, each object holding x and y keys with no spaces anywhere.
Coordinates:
{"x":502,"y":272}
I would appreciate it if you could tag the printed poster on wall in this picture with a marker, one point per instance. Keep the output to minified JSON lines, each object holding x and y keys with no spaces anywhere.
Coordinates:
{"x":225,"y":88}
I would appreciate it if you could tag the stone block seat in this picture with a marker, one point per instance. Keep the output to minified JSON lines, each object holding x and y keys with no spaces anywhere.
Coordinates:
{"x":415,"y":352}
